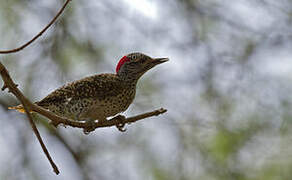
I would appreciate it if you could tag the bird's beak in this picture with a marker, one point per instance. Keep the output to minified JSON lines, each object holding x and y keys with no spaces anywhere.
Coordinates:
{"x":156,"y":61}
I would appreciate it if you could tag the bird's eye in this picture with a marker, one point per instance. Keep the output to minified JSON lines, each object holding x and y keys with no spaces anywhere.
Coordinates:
{"x":134,"y":57}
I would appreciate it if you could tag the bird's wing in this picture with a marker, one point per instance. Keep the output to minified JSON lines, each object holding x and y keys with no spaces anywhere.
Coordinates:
{"x":97,"y":86}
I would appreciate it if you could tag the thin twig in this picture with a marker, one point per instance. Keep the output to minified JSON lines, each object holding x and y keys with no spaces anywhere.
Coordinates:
{"x":39,"y":34}
{"x":54,"y":166}
{"x":12,"y":87}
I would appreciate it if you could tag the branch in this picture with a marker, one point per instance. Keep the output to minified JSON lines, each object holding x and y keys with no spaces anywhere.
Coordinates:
{"x":118,"y":121}
{"x":12,"y":87}
{"x":38,"y":35}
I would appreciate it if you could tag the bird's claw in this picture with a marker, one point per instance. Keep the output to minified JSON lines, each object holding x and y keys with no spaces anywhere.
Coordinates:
{"x":89,"y":127}
{"x":86,"y":131}
{"x":121,"y":127}
{"x":121,"y":124}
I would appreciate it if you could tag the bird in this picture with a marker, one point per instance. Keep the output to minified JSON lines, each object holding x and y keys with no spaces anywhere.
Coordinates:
{"x":97,"y":97}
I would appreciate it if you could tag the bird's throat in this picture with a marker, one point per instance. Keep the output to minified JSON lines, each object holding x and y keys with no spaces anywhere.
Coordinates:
{"x":129,"y":78}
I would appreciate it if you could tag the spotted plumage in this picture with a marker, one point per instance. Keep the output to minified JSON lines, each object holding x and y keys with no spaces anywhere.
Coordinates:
{"x":100,"y":96}
{"x":94,"y":97}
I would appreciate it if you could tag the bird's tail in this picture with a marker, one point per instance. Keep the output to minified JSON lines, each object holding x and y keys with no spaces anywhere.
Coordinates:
{"x":18,"y":108}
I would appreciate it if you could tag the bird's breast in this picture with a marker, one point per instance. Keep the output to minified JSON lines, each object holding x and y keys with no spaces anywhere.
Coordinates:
{"x":110,"y":106}
{"x":116,"y":104}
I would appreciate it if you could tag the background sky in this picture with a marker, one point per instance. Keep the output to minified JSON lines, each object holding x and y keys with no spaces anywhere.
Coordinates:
{"x":227,"y":88}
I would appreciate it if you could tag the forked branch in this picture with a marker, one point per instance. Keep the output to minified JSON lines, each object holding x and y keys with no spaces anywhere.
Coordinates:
{"x":12,"y":87}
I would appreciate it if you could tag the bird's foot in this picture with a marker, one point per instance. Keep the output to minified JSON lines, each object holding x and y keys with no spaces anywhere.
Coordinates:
{"x":121,"y":124}
{"x":90,"y":126}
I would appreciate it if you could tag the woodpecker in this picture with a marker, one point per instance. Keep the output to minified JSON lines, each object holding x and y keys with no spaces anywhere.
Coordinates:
{"x":99,"y":96}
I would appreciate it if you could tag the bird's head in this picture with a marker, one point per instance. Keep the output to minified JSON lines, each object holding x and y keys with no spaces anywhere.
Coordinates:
{"x":134,"y":65}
